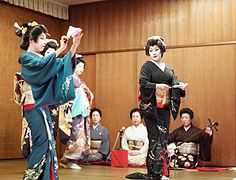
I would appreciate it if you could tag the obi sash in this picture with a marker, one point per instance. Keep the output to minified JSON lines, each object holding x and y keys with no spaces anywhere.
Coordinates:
{"x":188,"y":148}
{"x":95,"y":144}
{"x":162,"y":98}
{"x":135,"y":144}
{"x":23,"y":93}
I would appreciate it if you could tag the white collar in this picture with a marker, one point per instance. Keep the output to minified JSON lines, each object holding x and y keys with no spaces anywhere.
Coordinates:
{"x":160,"y":65}
{"x":187,"y":128}
{"x":95,"y":126}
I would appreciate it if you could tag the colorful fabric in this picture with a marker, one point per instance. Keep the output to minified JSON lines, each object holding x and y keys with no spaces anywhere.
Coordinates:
{"x":51,"y":80}
{"x":51,"y":83}
{"x":185,"y":155}
{"x":22,"y":91}
{"x":79,"y":140}
{"x":42,"y":153}
{"x":81,"y":104}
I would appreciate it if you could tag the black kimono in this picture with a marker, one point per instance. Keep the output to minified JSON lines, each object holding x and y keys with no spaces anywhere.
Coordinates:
{"x":156,"y":116}
{"x":192,"y":136}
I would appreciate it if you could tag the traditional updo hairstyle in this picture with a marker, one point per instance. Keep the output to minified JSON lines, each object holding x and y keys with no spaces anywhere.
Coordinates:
{"x":29,"y":31}
{"x":135,"y":110}
{"x":155,"y":40}
{"x":187,"y":111}
{"x":78,"y":59}
{"x":95,"y":110}
{"x":51,"y":44}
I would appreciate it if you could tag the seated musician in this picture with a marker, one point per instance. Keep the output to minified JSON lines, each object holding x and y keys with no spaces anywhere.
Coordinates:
{"x":135,"y":139}
{"x":99,"y":148}
{"x":190,"y":143}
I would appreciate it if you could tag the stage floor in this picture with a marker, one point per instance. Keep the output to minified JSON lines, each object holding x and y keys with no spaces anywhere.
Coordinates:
{"x":13,"y":170}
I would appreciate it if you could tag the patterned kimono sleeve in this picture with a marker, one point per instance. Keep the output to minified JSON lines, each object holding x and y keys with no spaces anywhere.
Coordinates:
{"x":51,"y":79}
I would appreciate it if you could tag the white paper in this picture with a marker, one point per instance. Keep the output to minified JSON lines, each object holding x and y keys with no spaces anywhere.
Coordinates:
{"x":73,"y":31}
{"x":181,"y":85}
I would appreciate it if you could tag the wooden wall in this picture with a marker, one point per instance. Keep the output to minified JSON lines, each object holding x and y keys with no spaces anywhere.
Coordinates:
{"x":10,"y":129}
{"x":198,"y":34}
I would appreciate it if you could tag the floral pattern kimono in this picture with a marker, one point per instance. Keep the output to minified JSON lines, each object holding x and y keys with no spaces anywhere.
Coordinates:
{"x":51,"y":83}
{"x":78,"y":126}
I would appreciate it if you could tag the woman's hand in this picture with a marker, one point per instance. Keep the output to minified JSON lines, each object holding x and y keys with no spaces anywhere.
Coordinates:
{"x":183,"y":85}
{"x":76,"y":42}
{"x":209,"y":131}
{"x":77,"y":38}
{"x":63,"y":45}
{"x":64,"y":42}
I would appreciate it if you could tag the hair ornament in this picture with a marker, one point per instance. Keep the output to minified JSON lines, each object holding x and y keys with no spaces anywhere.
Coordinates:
{"x":158,"y":37}
{"x":21,"y":30}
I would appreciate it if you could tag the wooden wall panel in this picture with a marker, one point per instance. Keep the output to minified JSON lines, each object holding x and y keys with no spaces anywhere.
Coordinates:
{"x":116,"y":89}
{"x":10,"y":129}
{"x":126,"y":24}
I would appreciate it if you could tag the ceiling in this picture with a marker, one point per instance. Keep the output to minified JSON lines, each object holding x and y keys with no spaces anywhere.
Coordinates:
{"x":74,"y":2}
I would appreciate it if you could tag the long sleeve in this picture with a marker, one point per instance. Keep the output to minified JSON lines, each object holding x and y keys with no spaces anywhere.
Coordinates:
{"x":147,"y":87}
{"x":172,"y":137}
{"x":205,"y":147}
{"x":43,"y":67}
{"x":104,"y":149}
{"x":124,"y":140}
{"x":145,"y":77}
{"x":51,"y":79}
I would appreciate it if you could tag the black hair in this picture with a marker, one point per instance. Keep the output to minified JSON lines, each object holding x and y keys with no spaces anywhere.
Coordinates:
{"x":50,"y":44}
{"x":135,"y":110}
{"x":32,"y":33}
{"x":78,"y":60}
{"x":97,"y":110}
{"x":155,"y":41}
{"x":187,"y":111}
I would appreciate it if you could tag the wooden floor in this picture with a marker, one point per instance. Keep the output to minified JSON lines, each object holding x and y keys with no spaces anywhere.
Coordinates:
{"x":13,"y":170}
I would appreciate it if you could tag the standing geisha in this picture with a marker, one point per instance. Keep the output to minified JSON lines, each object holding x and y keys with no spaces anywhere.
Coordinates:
{"x":79,"y":140}
{"x":157,"y":99}
{"x":51,"y":83}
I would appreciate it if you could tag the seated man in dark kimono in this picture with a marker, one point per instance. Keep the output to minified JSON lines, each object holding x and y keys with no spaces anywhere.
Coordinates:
{"x":188,"y":144}
{"x":99,"y":148}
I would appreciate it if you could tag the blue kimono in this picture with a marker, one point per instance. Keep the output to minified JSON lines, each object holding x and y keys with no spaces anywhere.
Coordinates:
{"x":51,"y":80}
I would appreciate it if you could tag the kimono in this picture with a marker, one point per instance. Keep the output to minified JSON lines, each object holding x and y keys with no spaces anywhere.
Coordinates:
{"x":79,"y":140}
{"x":135,"y":141}
{"x":155,"y":105}
{"x":51,"y":83}
{"x":23,"y":96}
{"x":190,"y":147}
{"x":99,"y":144}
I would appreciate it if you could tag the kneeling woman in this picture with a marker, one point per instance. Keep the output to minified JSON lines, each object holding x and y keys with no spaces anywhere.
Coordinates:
{"x":135,"y":139}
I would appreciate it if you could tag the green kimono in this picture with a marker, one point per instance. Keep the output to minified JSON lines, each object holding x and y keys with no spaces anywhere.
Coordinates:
{"x":51,"y":80}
